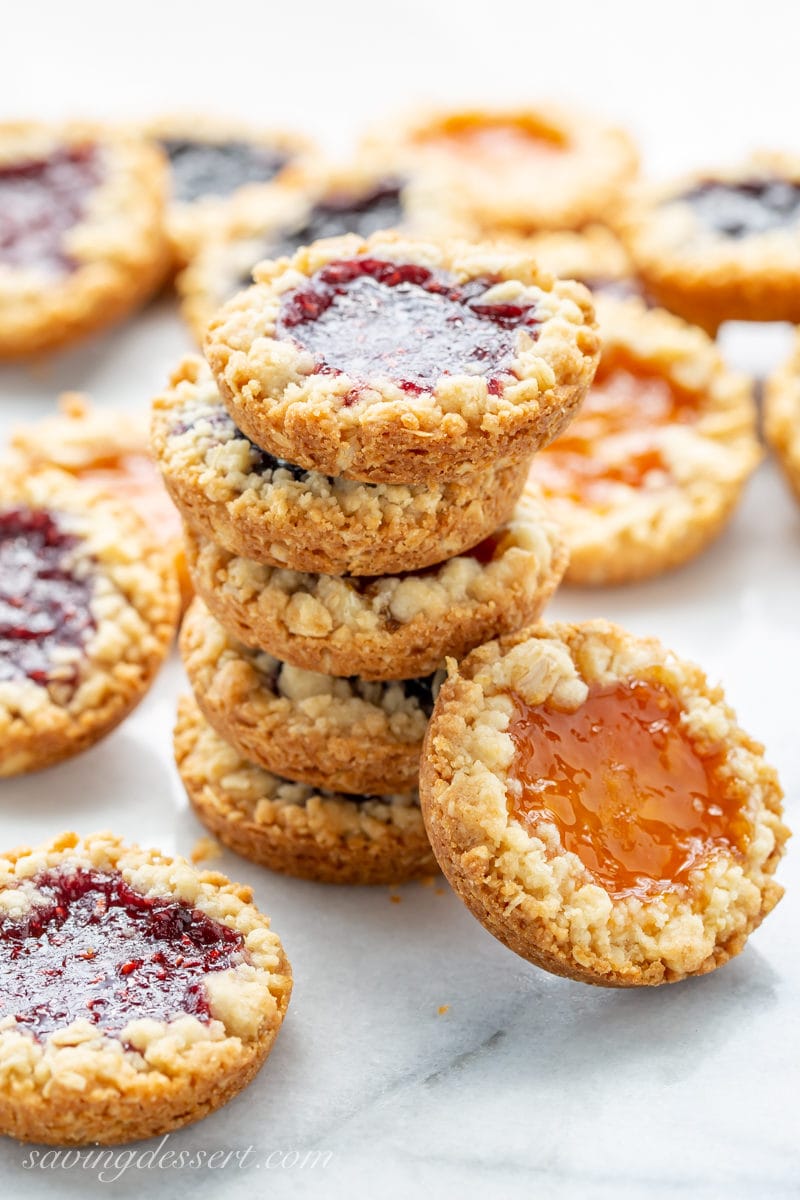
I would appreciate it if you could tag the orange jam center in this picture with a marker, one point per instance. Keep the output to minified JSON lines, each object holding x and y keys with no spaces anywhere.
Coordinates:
{"x":500,"y":144}
{"x":612,"y":438}
{"x":135,"y":479}
{"x":624,"y":786}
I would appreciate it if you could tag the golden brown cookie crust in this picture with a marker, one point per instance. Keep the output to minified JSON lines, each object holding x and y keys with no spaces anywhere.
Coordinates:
{"x":387,"y":435}
{"x":392,"y":627}
{"x":640,"y":531}
{"x":539,"y":899}
{"x":782,"y":416}
{"x":291,"y":827}
{"x":341,"y":734}
{"x":79,"y":1085}
{"x":219,"y":482}
{"x":119,"y":245}
{"x":135,"y":605}
{"x":564,"y":190}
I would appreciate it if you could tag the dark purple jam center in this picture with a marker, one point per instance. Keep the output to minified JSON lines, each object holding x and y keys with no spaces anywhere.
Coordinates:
{"x":43,"y":606}
{"x":367,"y":318}
{"x":202,"y":169}
{"x":745,"y":209}
{"x":97,"y":949}
{"x":41,"y":201}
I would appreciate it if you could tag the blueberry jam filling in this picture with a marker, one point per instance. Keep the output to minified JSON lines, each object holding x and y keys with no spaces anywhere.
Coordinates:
{"x":365,"y":318}
{"x":44,"y":606}
{"x":40,"y":201}
{"x":745,"y":209}
{"x":202,"y":169}
{"x":98,"y":950}
{"x":261,"y":462}
{"x":423,"y":690}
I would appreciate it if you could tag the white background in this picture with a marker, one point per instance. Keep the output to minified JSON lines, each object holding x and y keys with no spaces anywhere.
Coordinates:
{"x":528,"y":1085}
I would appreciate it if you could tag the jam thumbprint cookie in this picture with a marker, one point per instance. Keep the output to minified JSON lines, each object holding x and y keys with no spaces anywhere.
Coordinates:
{"x":81,"y":232}
{"x":516,"y":169}
{"x":723,"y":245}
{"x":782,"y":416}
{"x":213,"y":164}
{"x":594,"y":803}
{"x":595,"y":257}
{"x":277,"y":513}
{"x":400,"y":361}
{"x":391,"y":626}
{"x":88,"y":609}
{"x":109,"y":450}
{"x":652,"y":468}
{"x":294,"y":828}
{"x":137,"y":994}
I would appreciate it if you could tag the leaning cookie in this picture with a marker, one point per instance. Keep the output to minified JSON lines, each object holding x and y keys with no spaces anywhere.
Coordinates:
{"x":401,"y":361}
{"x":276,"y":513}
{"x":782,"y":417}
{"x":291,"y":827}
{"x":721,"y":245}
{"x":89,"y":608}
{"x":346,"y":735}
{"x":137,"y":995}
{"x":594,"y":803}
{"x":390,"y":627}
{"x":82,"y":240}
{"x":653,"y":466}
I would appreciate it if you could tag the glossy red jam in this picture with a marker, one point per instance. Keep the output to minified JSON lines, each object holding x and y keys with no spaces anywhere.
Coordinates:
{"x":201,"y":168}
{"x":44,"y":604}
{"x":747,"y":208}
{"x":40,"y":201}
{"x":98,"y":950}
{"x":369,"y":319}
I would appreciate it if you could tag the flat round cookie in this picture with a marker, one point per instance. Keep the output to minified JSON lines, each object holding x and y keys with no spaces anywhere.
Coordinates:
{"x":342,"y":734}
{"x":294,"y":828}
{"x":277,"y":513}
{"x":81,"y":232}
{"x":594,"y":803}
{"x":782,"y":416}
{"x":391,"y":627}
{"x":88,"y":610}
{"x":137,"y":995}
{"x":403,"y":361}
{"x":653,"y":466}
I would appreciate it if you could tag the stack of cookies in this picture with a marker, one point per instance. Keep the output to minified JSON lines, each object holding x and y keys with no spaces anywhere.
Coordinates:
{"x":349,"y":463}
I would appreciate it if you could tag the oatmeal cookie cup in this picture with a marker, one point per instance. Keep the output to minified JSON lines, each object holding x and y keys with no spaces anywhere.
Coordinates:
{"x":346,"y":735}
{"x":401,"y":361}
{"x":782,"y":417}
{"x":82,"y":240}
{"x":89,"y":608}
{"x":595,"y":257}
{"x":594,"y":803}
{"x":291,"y":827}
{"x":519,"y":169}
{"x":214,"y":164}
{"x":393,"y":626}
{"x":143,"y":994}
{"x":652,"y":468}
{"x":273,"y":512}
{"x":723,"y":245}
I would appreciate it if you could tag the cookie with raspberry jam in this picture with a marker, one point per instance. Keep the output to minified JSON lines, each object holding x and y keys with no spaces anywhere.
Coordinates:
{"x":294,"y":828}
{"x":88,"y":610}
{"x":137,"y":994}
{"x":387,"y":627}
{"x":399,"y":361}
{"x":592,"y":800}
{"x":277,"y":513}
{"x":81,"y":232}
{"x":721,"y":245}
{"x":782,"y":416}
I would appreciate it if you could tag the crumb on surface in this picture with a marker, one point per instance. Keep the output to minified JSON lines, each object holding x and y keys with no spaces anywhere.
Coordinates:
{"x":205,"y":849}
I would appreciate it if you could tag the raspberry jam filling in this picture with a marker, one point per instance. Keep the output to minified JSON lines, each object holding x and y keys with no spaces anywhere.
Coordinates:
{"x":98,"y":950}
{"x":201,"y":169}
{"x":745,"y":209}
{"x":624,"y":786}
{"x":44,"y":605}
{"x":370,"y":319}
{"x":611,"y":441}
{"x":40,"y":201}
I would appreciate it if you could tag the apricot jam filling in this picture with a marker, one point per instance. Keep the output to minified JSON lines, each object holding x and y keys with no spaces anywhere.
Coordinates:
{"x":613,"y":438}
{"x":625,"y":787}
{"x":495,"y":143}
{"x":135,"y":479}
